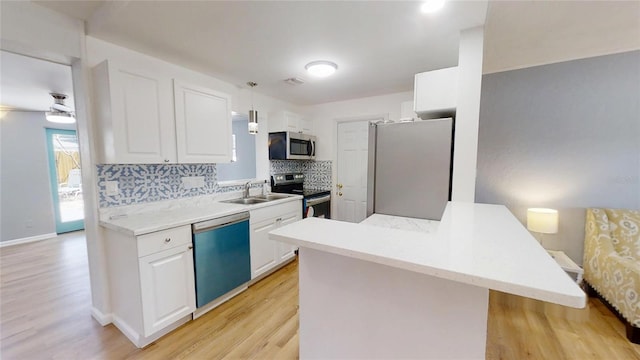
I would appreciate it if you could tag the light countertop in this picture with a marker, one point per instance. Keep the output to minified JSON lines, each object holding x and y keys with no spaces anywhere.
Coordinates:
{"x":477,"y":244}
{"x":402,"y":223}
{"x":178,"y":215}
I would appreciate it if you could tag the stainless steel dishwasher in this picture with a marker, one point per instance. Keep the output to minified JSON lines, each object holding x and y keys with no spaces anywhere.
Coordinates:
{"x":221,"y":256}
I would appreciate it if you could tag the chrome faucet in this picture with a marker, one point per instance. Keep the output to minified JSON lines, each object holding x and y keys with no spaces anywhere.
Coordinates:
{"x":247,"y":186}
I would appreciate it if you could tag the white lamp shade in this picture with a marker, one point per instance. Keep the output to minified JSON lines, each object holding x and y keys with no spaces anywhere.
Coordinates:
{"x":542,"y":220}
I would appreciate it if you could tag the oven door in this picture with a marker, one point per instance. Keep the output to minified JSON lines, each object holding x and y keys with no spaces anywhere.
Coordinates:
{"x":318,"y":207}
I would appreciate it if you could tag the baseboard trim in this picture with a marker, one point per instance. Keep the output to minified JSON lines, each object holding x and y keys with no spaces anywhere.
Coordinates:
{"x":102,"y":318}
{"x":27,"y":239}
{"x":125,"y":329}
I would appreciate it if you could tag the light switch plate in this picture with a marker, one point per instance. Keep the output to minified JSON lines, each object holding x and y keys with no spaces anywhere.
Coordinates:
{"x":112,"y":188}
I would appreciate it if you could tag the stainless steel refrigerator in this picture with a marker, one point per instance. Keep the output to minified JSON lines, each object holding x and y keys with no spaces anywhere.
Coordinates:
{"x":410,"y":167}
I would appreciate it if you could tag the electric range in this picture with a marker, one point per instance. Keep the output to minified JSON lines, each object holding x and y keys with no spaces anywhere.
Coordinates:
{"x":315,"y":202}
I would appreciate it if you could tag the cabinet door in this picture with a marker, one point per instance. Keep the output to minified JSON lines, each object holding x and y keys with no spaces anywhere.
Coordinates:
{"x":284,"y":121}
{"x":136,"y":115}
{"x":306,"y":126}
{"x":292,"y":122}
{"x":203,"y":124}
{"x":286,"y":251}
{"x":436,"y":90}
{"x":264,"y":253}
{"x":168,"y":288}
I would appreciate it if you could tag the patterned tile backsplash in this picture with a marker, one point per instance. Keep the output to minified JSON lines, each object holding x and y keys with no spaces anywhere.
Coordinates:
{"x":155,"y":182}
{"x":317,"y":174}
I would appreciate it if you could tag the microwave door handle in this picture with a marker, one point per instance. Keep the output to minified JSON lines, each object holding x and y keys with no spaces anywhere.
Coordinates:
{"x":310,"y":148}
{"x":313,"y":147}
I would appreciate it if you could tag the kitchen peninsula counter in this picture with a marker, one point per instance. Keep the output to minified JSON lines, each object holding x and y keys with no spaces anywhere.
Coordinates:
{"x":380,"y":291}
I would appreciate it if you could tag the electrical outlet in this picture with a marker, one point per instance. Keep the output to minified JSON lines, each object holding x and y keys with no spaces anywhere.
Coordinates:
{"x":197,"y":181}
{"x":112,"y":188}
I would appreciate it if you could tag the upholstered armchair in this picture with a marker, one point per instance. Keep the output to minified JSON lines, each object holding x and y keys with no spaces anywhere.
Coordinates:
{"x":612,"y":262}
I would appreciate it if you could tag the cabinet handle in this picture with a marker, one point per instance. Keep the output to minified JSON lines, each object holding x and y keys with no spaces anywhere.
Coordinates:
{"x":279,"y":219}
{"x":166,"y":160}
{"x":167,"y":240}
{"x":190,"y":247}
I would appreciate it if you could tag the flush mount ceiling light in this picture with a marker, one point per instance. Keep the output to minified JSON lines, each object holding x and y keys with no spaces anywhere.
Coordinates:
{"x":431,"y":6}
{"x":60,"y":113}
{"x":321,"y":68}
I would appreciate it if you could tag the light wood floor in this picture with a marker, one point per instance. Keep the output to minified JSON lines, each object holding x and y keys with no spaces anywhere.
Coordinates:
{"x":45,"y":314}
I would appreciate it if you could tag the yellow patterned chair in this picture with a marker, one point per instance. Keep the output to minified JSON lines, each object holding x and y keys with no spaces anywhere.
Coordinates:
{"x":612,"y":262}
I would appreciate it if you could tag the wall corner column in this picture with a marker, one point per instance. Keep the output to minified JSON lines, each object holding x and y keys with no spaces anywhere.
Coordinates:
{"x":465,"y":154}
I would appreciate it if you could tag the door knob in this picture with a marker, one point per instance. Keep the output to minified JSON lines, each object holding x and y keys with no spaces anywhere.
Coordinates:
{"x":339,"y":186}
{"x":340,"y":193}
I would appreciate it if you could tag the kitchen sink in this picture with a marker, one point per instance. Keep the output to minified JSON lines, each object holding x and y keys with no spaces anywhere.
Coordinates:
{"x":258,"y":199}
{"x":270,"y":197}
{"x":246,"y":201}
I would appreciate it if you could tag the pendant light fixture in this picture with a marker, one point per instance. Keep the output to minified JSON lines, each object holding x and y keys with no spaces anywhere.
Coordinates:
{"x":253,"y":114}
{"x":60,"y":113}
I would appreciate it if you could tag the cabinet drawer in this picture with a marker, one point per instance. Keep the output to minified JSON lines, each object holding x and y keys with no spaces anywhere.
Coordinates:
{"x":274,"y":211}
{"x":163,"y":240}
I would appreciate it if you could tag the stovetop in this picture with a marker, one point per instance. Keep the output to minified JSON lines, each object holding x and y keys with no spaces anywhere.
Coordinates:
{"x":307,"y":193}
{"x":293,"y":184}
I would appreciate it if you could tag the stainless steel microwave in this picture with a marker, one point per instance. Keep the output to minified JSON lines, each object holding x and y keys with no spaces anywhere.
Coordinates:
{"x":287,"y":145}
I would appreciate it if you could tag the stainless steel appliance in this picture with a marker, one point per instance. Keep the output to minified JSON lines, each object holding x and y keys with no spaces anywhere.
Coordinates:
{"x":221,"y":256}
{"x":315,"y":203}
{"x":286,"y":145}
{"x":410,"y":168}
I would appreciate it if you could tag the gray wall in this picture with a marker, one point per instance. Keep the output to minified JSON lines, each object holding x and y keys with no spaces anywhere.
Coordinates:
{"x":564,"y":136}
{"x":26,"y":206}
{"x":245,"y":167}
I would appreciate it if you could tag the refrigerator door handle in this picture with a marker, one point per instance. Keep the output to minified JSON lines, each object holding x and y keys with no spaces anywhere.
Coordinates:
{"x":371,"y":169}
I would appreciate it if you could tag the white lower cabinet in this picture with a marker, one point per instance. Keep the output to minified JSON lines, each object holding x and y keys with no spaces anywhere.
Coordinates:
{"x":287,"y":251}
{"x":152,"y":282}
{"x":267,"y":255}
{"x":168,"y":291}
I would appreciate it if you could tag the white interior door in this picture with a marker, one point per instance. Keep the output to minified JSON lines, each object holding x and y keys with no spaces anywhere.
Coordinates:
{"x":352,"y":157}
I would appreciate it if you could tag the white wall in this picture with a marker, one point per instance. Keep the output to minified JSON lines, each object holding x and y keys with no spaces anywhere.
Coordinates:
{"x":31,"y":29}
{"x":324,"y":117}
{"x":467,"y":114}
{"x":25,"y":188}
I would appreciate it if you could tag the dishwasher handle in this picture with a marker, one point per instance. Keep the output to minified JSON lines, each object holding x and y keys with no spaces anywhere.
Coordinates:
{"x":219,"y":222}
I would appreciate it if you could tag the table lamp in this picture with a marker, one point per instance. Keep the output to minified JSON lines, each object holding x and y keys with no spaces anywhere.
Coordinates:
{"x":541,"y":220}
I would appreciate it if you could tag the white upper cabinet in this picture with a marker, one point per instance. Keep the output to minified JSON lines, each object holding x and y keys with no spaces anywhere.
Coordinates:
{"x":288,"y":121}
{"x":203,"y":124}
{"x":135,"y":115}
{"x":436,"y":91}
{"x":151,"y":118}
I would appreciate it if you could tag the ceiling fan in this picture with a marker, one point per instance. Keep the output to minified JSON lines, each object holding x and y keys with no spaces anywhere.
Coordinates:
{"x":60,"y":113}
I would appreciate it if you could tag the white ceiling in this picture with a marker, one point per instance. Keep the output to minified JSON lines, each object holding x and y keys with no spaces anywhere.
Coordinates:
{"x":521,"y":34}
{"x":378,"y":45}
{"x":25,"y":82}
